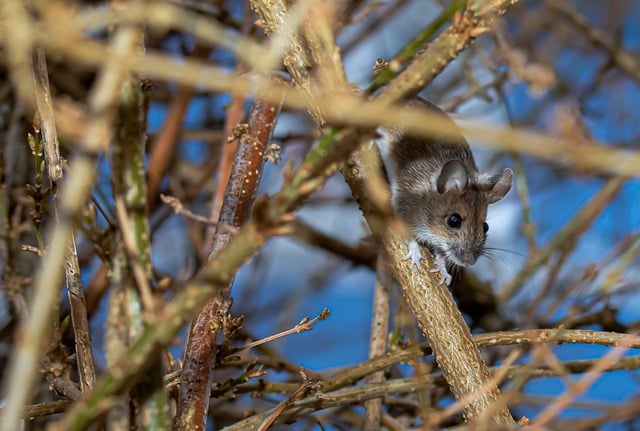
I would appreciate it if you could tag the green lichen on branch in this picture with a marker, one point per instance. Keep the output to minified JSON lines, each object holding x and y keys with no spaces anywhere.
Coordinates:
{"x":133,"y":293}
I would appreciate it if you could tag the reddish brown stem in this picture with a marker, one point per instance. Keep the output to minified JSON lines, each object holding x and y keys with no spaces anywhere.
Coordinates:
{"x":164,"y":145}
{"x":229,"y":148}
{"x":195,"y":384}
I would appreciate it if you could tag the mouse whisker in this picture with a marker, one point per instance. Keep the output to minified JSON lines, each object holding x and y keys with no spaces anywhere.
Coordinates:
{"x":495,"y":251}
{"x":499,"y":255}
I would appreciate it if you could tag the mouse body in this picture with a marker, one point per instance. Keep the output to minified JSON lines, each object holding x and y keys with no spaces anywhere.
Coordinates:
{"x":437,"y":191}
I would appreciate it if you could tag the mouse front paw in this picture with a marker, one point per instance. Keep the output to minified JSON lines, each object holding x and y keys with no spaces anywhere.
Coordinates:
{"x":415,"y":254}
{"x":441,"y":268}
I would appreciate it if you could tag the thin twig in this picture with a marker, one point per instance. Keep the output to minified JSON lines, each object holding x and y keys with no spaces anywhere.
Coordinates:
{"x":179,"y":208}
{"x":80,"y":322}
{"x":579,"y":387}
{"x":567,"y":236}
{"x":625,"y":61}
{"x":378,"y":338}
{"x":297,"y":394}
{"x":348,"y":109}
{"x":163,"y":146}
{"x":235,"y":112}
{"x":302,"y":326}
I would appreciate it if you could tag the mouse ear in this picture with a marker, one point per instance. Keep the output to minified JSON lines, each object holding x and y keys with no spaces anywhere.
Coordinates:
{"x":453,"y":177}
{"x":499,"y":185}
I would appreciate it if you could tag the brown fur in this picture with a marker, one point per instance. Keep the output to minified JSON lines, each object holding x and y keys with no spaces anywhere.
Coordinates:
{"x":425,"y":195}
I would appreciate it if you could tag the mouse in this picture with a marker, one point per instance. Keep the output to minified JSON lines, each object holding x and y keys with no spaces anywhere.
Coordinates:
{"x":437,"y":190}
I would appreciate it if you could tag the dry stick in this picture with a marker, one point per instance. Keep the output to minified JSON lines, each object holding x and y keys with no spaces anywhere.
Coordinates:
{"x":46,"y":409}
{"x":439,"y":318}
{"x":579,"y":387}
{"x":355,"y":373}
{"x":341,"y":397}
{"x":361,"y":254}
{"x":566,"y":240}
{"x":625,"y":61}
{"x":560,"y":336}
{"x":349,"y":109}
{"x":24,"y":359}
{"x":235,"y":112}
{"x":163,"y":147}
{"x":391,"y":423}
{"x":195,"y":383}
{"x":497,"y":376}
{"x":179,"y":208}
{"x":280,"y":364}
{"x":297,"y":394}
{"x":20,"y":39}
{"x":533,"y":336}
{"x":79,"y":320}
{"x":362,"y":393}
{"x":378,"y":342}
{"x":305,"y":324}
{"x":135,"y":295}
{"x":563,"y":238}
{"x":122,"y":319}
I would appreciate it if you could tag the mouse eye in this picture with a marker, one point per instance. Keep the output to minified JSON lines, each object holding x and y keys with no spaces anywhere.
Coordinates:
{"x":454,"y":221}
{"x":485,"y":226}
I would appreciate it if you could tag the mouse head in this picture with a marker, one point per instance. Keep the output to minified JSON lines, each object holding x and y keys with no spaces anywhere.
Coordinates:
{"x":451,"y":219}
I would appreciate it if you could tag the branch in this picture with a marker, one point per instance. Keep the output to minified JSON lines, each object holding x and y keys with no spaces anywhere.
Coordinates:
{"x":378,"y":338}
{"x":23,"y":362}
{"x":625,"y":61}
{"x":75,"y":291}
{"x":195,"y":383}
{"x":357,"y":395}
{"x":346,"y":108}
{"x":567,"y":235}
{"x":132,"y":297}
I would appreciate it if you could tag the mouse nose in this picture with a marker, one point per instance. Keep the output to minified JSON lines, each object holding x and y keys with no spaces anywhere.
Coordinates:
{"x":466,"y":257}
